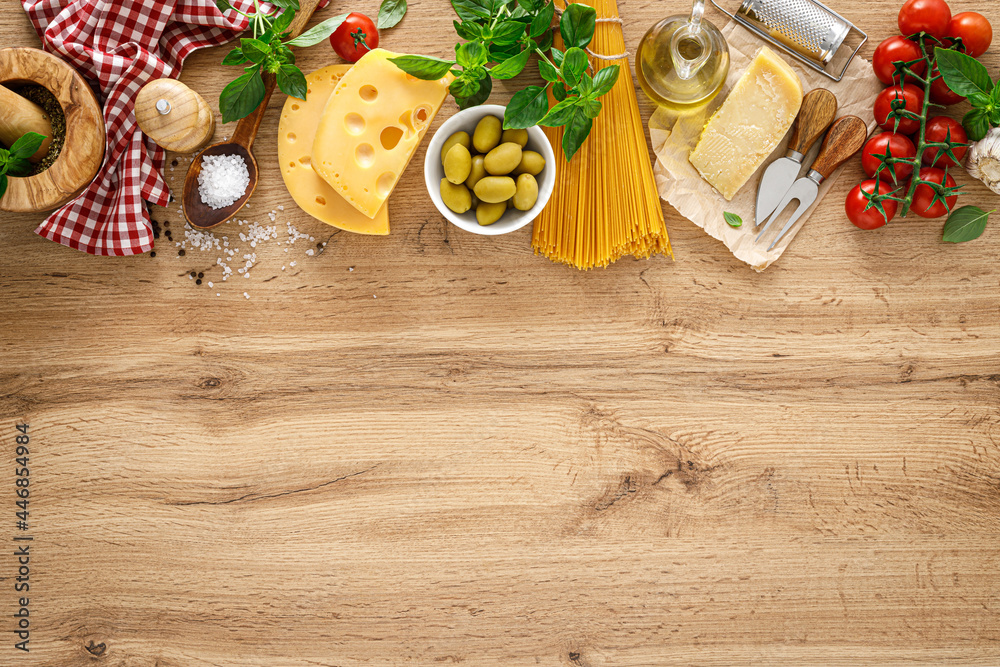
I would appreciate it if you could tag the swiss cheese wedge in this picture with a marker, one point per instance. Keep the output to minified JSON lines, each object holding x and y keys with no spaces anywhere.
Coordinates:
{"x":371,"y":127}
{"x":296,"y":131}
{"x":750,"y":123}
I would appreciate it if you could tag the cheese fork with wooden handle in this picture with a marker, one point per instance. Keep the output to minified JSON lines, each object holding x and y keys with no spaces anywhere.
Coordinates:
{"x":844,"y":139}
{"x":819,"y":108}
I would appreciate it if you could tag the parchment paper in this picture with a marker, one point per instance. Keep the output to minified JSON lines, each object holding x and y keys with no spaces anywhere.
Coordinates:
{"x":680,"y":184}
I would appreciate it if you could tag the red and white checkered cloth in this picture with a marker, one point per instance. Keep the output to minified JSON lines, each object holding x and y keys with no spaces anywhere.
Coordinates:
{"x":121,"y":45}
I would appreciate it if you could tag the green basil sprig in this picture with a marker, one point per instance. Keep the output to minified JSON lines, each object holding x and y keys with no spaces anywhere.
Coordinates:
{"x":390,"y":12}
{"x":501,"y":36}
{"x":732,"y":219}
{"x":965,"y":224}
{"x":968,"y":77}
{"x":15,"y":161}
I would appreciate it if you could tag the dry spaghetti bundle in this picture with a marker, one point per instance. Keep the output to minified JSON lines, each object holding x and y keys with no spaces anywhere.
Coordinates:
{"x":605,"y":204}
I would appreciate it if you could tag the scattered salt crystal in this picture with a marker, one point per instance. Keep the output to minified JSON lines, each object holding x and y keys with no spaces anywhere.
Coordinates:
{"x":246,"y":295}
{"x":350,"y":268}
{"x":292,"y":264}
{"x":309,"y":252}
{"x":223,"y":179}
{"x":211,"y":285}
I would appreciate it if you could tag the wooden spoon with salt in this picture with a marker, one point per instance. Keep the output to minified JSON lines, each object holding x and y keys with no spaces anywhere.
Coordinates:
{"x":202,"y":216}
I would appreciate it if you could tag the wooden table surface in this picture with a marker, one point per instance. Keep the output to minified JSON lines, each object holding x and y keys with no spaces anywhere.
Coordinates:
{"x":435,"y":448}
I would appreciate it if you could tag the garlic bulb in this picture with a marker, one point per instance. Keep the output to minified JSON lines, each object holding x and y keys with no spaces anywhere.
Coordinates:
{"x":984,"y":160}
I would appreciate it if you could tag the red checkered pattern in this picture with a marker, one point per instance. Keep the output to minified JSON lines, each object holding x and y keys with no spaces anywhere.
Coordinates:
{"x":120,"y":45}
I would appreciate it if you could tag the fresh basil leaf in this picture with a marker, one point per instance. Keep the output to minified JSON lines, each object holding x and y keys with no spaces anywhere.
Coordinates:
{"x":18,"y":166}
{"x":575,"y":132}
{"x":548,"y":72}
{"x":26,"y":145}
{"x":976,"y":124}
{"x":559,"y":91}
{"x":464,"y":86}
{"x":545,"y":43}
{"x":604,"y":80}
{"x":292,"y":82}
{"x":561,"y":113}
{"x":241,"y":96}
{"x":591,"y":107}
{"x":508,"y":33}
{"x":963,"y":74}
{"x":979,"y":99}
{"x":577,"y":25}
{"x":285,"y":55}
{"x":965,"y":224}
{"x":557,"y":56}
{"x":732,"y":219}
{"x":390,"y":12}
{"x":471,"y":54}
{"x":511,"y":67}
{"x":254,"y":50}
{"x":574,"y":64}
{"x":423,"y":67}
{"x":235,"y":57}
{"x":543,"y":20}
{"x":526,"y":108}
{"x":280,"y":25}
{"x":286,"y":4}
{"x":468,"y":30}
{"x":4,"y":154}
{"x":585,"y":86}
{"x":530,"y":6}
{"x":469,"y":10}
{"x":483,"y":94}
{"x":318,"y":33}
{"x":223,"y":5}
{"x":520,"y":13}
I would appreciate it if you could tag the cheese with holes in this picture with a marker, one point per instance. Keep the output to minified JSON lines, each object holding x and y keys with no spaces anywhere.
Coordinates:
{"x":750,"y":124}
{"x":296,"y":131}
{"x":371,"y":127}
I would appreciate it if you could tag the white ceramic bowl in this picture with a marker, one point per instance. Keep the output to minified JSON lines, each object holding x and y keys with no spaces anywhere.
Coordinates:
{"x":513,"y":219}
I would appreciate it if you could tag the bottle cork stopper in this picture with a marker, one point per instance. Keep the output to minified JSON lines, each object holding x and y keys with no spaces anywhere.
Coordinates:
{"x":177,"y":118}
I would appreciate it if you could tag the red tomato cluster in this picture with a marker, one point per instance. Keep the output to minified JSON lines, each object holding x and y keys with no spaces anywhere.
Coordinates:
{"x":934,"y":19}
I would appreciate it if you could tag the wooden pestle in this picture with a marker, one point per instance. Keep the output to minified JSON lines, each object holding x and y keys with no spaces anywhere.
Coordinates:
{"x":19,"y":116}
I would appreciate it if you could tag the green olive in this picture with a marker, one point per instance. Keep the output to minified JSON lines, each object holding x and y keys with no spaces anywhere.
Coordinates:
{"x":503,"y":159}
{"x":456,"y":197}
{"x":527,"y":192}
{"x":477,"y":171}
{"x":475,"y":200}
{"x":531,"y":163}
{"x":487,"y":213}
{"x":487,"y":134}
{"x":457,"y":164}
{"x":494,"y":189}
{"x":519,"y":137}
{"x":457,"y":138}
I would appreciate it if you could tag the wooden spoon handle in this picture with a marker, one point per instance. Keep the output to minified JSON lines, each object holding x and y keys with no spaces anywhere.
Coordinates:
{"x":246,"y":128}
{"x":819,"y":108}
{"x":844,"y":139}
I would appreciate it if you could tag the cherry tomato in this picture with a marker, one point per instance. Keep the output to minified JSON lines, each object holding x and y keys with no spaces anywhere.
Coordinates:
{"x":930,"y":16}
{"x":891,"y":51}
{"x":975,"y":31}
{"x":923,"y":195}
{"x":914,"y":102}
{"x":941,"y":93}
{"x":898,"y":145}
{"x":856,"y":203}
{"x":355,"y":37}
{"x":938,"y":129}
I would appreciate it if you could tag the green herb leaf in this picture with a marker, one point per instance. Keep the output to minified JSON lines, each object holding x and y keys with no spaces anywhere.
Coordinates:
{"x":577,"y":25}
{"x":545,"y":43}
{"x":483,"y":94}
{"x":471,"y":54}
{"x":292,"y":82}
{"x":235,"y":57}
{"x":27,"y":145}
{"x":963,"y":74}
{"x":18,"y":166}
{"x":468,"y":30}
{"x":4,"y":154}
{"x":548,"y":72}
{"x":561,"y":113}
{"x":559,"y":91}
{"x":542,"y":20}
{"x":470,"y":10}
{"x":575,"y":131}
{"x":464,"y":86}
{"x":508,"y":32}
{"x":976,"y":124}
{"x":591,"y":107}
{"x":286,"y":4}
{"x":604,"y":80}
{"x":3,"y":184}
{"x":318,"y":33}
{"x":965,"y":224}
{"x":223,"y":5}
{"x":531,"y":6}
{"x":390,"y":12}
{"x":732,"y":219}
{"x":526,"y":108}
{"x":574,"y":64}
{"x":423,"y":67}
{"x":254,"y":50}
{"x":511,"y":67}
{"x":281,"y":23}
{"x":241,"y":96}
{"x":557,"y":56}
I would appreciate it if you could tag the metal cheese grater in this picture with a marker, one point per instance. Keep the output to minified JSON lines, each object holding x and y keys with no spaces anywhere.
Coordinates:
{"x":805,"y":29}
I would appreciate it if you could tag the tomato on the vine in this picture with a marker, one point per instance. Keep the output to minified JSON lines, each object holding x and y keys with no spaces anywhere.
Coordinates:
{"x":857,"y":201}
{"x":941,"y":129}
{"x":909,"y":94}
{"x":941,"y":93}
{"x":893,"y":50}
{"x":975,"y":31}
{"x":930,"y":16}
{"x":923,"y":195}
{"x":888,"y":143}
{"x":355,"y":37}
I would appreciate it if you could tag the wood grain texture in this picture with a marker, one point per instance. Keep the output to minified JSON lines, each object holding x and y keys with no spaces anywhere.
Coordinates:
{"x":846,"y":137}
{"x":818,"y":111}
{"x":498,"y":460}
{"x":187,"y":126}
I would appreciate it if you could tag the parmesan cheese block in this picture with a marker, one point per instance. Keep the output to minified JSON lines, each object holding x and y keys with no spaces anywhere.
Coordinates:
{"x":750,"y":124}
{"x":371,"y":127}
{"x":296,"y":131}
